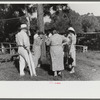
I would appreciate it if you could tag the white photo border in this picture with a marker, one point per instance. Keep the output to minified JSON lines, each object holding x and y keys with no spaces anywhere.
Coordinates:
{"x":48,"y":89}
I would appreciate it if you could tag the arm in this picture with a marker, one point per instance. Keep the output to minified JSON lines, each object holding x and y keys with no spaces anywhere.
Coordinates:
{"x":74,"y":39}
{"x":66,"y":41}
{"x":26,"y":42}
{"x":47,"y":41}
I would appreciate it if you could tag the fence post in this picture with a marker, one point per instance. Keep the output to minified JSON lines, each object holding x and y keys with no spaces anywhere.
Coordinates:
{"x":3,"y":48}
{"x":10,"y":47}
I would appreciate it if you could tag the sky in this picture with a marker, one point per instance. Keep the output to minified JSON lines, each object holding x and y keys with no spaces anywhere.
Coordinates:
{"x":84,"y":8}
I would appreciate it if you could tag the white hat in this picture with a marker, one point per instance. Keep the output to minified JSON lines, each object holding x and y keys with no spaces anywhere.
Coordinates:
{"x":71,"y":29}
{"x":23,"y":26}
{"x":35,"y":36}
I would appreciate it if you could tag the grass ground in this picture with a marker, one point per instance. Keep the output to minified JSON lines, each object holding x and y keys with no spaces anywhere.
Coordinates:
{"x":87,"y":69}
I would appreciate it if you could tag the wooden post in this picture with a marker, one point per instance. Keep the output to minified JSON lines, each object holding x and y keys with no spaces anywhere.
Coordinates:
{"x":41,"y":29}
{"x":28,"y":20}
{"x":3,"y":48}
{"x":10,"y":48}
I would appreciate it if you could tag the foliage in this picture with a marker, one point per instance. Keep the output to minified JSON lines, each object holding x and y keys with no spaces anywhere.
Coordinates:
{"x":63,"y":20}
{"x":90,"y":23}
{"x":54,"y":7}
{"x":9,"y":27}
{"x":61,"y":16}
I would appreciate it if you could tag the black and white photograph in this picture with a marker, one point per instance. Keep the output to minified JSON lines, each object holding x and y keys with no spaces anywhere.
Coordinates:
{"x":50,"y":41}
{"x":50,"y":49}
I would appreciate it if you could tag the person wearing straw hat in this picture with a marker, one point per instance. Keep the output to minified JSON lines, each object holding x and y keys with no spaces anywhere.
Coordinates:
{"x":72,"y":51}
{"x":22,"y":40}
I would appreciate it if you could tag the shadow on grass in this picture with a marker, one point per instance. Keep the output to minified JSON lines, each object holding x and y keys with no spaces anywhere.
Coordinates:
{"x":16,"y":63}
{"x":47,"y":67}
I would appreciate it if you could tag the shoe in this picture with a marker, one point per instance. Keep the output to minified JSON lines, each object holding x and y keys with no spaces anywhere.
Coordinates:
{"x":60,"y":74}
{"x":22,"y":74}
{"x":35,"y":75}
{"x":72,"y":71}
{"x":55,"y":73}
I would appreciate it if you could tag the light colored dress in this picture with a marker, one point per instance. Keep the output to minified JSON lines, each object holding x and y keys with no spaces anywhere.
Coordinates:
{"x":35,"y":36}
{"x":37,"y":50}
{"x":22,"y":40}
{"x":49,"y":35}
{"x":72,"y":50}
{"x":56,"y":51}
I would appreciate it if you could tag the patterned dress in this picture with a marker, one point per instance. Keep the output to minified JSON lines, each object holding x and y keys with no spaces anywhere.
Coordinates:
{"x":56,"y":51}
{"x":37,"y":50}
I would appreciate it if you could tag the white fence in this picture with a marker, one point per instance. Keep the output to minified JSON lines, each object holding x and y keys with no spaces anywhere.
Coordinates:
{"x":81,"y":48}
{"x":11,"y":48}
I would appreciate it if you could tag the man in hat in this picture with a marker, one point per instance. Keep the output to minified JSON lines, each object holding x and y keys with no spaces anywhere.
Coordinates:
{"x":72,"y":51}
{"x":25,"y":55}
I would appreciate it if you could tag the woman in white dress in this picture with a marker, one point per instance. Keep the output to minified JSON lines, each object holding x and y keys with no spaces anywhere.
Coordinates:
{"x":72,"y":51}
{"x":37,"y":48}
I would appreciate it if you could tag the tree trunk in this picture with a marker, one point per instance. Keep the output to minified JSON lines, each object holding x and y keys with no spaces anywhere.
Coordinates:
{"x":41,"y":29}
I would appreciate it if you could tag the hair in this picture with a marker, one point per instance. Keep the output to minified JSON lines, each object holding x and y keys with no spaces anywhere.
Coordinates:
{"x":40,"y":33}
{"x":53,"y":28}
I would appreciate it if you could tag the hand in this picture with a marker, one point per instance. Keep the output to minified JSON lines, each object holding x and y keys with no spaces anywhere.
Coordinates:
{"x":62,"y":45}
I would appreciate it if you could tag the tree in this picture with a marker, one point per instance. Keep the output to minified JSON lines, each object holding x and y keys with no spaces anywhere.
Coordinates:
{"x":41,"y":29}
{"x":10,"y":26}
{"x":63,"y":20}
{"x":90,"y":23}
{"x":75,"y":21}
{"x":59,"y":19}
{"x":3,"y":11}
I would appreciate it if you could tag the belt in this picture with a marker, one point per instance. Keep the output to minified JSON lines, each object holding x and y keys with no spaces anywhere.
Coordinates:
{"x":57,"y":45}
{"x":20,"y":46}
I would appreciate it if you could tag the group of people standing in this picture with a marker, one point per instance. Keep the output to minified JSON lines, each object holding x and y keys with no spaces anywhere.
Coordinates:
{"x":56,"y":44}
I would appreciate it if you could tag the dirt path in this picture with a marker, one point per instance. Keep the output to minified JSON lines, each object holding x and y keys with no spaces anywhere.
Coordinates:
{"x":87,"y":69}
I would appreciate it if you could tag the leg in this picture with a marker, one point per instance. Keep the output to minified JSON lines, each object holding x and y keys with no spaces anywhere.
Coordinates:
{"x":73,"y":55}
{"x":72,"y":71}
{"x":28,"y":63}
{"x":25,"y":55}
{"x":61,"y":74}
{"x":38,"y":62}
{"x":55,"y":73}
{"x":74,"y":58}
{"x":23,"y":52}
{"x":22,"y":65}
{"x":32,"y":64}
